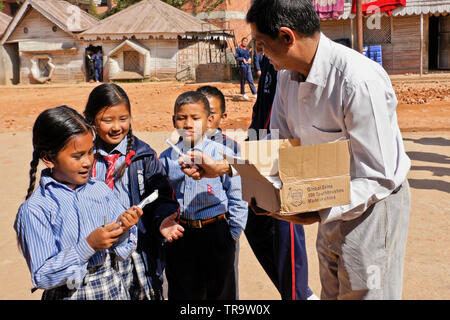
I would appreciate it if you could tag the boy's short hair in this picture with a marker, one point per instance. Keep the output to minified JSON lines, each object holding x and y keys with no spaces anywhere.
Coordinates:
{"x":210,"y":91}
{"x":191,"y":97}
{"x":270,"y":15}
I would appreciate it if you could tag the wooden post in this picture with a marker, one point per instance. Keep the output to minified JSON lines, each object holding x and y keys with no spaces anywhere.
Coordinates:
{"x":352,"y":33}
{"x":359,"y":26}
{"x":421,"y":44}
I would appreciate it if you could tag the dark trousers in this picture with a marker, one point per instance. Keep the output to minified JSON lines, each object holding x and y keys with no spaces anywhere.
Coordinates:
{"x":280,"y":248}
{"x":246,"y":75}
{"x":99,"y":74}
{"x":200,"y":265}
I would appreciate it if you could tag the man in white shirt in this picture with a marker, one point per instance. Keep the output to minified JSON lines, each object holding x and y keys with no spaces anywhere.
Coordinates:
{"x":326,"y":92}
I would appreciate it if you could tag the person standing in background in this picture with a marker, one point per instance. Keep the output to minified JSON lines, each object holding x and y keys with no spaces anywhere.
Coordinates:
{"x":244,"y":61}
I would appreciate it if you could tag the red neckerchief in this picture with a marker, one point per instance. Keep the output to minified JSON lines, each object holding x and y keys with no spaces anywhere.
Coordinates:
{"x":111,"y":166}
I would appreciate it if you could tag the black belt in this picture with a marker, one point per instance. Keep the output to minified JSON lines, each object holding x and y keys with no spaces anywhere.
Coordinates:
{"x":197,"y":224}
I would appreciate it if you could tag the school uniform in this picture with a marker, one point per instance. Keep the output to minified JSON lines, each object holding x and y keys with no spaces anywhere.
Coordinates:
{"x":144,"y":272}
{"x":200,"y":265}
{"x":233,"y":145}
{"x":240,"y":55}
{"x":98,"y":67}
{"x":52,"y":227}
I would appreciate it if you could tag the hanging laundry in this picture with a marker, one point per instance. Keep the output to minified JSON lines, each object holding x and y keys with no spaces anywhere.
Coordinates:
{"x":327,"y":9}
{"x":371,"y":6}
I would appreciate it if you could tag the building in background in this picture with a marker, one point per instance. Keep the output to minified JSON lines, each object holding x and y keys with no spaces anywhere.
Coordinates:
{"x":224,"y":14}
{"x":41,"y":43}
{"x":152,"y":39}
{"x":413,"y":37}
{"x":50,"y":40}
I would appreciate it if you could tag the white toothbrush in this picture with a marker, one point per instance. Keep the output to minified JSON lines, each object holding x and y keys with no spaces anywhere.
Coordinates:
{"x":149,"y":199}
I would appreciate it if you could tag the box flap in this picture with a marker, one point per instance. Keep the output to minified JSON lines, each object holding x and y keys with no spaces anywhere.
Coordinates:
{"x":264,"y":153}
{"x":314,"y":162}
{"x":255,"y":185}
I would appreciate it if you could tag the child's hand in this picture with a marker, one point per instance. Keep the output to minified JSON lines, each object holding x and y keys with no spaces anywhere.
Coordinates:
{"x":104,"y":237}
{"x":170,"y":229}
{"x":130,"y":217}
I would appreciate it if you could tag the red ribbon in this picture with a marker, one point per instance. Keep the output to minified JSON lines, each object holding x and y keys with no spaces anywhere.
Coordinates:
{"x":129,"y":156}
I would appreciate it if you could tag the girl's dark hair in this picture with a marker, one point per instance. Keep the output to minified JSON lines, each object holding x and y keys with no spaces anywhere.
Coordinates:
{"x":52,"y":130}
{"x":103,"y":96}
{"x":210,"y":91}
{"x":191,"y":97}
{"x":270,"y":15}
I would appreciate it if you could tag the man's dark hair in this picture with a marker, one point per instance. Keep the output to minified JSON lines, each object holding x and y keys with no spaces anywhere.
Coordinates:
{"x":210,"y":91}
{"x":270,"y":15}
{"x":191,"y":97}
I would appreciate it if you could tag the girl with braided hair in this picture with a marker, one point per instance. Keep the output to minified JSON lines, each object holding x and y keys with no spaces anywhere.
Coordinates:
{"x":131,"y":168}
{"x":72,"y":230}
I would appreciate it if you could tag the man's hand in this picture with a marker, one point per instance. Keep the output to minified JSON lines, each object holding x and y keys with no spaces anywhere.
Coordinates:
{"x":300,"y":218}
{"x":257,"y":210}
{"x":207,"y":167}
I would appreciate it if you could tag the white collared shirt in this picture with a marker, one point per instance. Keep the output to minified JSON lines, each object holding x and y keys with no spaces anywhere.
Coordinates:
{"x":346,"y":96}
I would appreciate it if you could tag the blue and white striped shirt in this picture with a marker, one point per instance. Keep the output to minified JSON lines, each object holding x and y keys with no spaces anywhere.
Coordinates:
{"x":101,"y":167}
{"x":53,"y":224}
{"x":207,"y":198}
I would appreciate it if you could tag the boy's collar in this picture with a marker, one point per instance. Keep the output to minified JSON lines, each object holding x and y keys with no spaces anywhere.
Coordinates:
{"x":217,"y":132}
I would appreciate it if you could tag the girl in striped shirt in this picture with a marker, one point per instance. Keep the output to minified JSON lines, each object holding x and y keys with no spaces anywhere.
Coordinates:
{"x":72,"y":230}
{"x":131,"y":168}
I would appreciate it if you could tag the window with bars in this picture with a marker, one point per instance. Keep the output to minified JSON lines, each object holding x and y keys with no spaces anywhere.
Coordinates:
{"x":131,"y":61}
{"x":377,"y":30}
{"x":44,"y":68}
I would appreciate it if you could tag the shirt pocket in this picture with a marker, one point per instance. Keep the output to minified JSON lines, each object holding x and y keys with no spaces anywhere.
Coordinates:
{"x":324,"y":135}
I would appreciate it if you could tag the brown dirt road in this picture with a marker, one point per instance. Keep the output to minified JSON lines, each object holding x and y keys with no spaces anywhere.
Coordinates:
{"x":423,"y":115}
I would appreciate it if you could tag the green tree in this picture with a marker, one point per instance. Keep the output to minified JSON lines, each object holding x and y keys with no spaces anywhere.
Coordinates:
{"x":92,"y":8}
{"x":1,"y":5}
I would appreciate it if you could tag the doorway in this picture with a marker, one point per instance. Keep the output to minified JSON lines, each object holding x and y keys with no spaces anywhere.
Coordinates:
{"x":94,"y":63}
{"x":439,"y":43}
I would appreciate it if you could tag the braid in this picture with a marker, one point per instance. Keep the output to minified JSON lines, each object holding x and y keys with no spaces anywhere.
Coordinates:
{"x":120,"y":171}
{"x":33,"y":169}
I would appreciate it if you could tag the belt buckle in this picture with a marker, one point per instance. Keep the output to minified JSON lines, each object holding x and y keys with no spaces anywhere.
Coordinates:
{"x":196,"y":224}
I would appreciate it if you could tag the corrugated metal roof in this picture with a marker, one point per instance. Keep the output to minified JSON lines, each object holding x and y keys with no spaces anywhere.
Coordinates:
{"x":70,"y":17}
{"x":148,"y":17}
{"x":412,"y":7}
{"x":4,"y":21}
{"x":423,"y":7}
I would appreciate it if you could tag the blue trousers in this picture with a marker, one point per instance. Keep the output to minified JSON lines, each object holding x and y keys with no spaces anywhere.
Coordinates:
{"x":246,"y":75}
{"x":99,"y":74}
{"x":280,"y":248}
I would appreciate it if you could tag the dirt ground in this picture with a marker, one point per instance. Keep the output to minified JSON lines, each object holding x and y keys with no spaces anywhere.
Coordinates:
{"x":423,"y":115}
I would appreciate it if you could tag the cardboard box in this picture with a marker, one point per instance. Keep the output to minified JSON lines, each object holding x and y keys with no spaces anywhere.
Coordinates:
{"x":312,"y":177}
